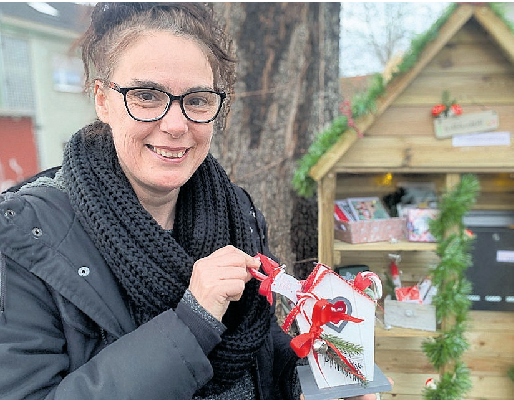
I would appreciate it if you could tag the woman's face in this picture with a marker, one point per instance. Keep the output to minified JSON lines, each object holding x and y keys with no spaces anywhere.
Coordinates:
{"x":158,"y":156}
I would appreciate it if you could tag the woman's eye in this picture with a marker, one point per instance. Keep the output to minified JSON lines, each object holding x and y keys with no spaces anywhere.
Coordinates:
{"x":196,"y":101}
{"x":146,"y":96}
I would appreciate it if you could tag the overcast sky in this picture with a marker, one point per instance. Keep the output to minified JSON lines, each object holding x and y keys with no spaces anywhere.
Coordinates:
{"x":356,"y":55}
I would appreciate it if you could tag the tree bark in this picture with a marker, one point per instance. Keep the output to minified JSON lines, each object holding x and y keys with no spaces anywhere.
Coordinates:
{"x":286,"y":92}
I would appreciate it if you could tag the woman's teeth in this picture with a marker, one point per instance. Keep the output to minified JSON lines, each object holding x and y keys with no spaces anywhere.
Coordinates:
{"x":168,"y":154}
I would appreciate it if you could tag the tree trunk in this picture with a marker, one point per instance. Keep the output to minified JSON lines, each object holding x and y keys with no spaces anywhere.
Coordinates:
{"x":287,"y":90}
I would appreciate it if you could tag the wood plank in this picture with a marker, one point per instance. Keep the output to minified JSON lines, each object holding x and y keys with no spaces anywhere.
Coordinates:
{"x":423,"y":154}
{"x":469,"y":58}
{"x":497,"y":29}
{"x":412,"y":361}
{"x":427,"y":153}
{"x":474,"y":88}
{"x":403,"y":337}
{"x":491,"y":387}
{"x":489,"y":343}
{"x":491,"y":320}
{"x":406,"y":384}
{"x":488,"y":366}
{"x":330,"y":157}
{"x":471,"y":32}
{"x":384,"y":246}
{"x":326,"y":197}
{"x":416,"y":119}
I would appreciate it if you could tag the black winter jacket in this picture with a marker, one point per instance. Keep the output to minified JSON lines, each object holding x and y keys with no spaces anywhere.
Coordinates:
{"x":66,"y":332}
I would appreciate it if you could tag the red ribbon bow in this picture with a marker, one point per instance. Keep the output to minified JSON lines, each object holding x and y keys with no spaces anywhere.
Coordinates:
{"x":271,"y":268}
{"x":361,"y":282}
{"x":323,"y":312}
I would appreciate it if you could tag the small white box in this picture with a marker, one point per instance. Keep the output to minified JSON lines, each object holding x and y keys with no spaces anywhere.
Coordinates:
{"x":410,"y":315}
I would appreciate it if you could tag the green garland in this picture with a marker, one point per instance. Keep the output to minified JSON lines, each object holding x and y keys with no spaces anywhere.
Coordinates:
{"x":452,"y":303}
{"x":362,"y":104}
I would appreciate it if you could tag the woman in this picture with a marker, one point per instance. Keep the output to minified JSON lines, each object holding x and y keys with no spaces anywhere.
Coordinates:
{"x":125,"y":276}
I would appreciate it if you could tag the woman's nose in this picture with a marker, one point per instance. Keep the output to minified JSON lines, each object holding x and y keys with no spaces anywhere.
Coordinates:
{"x":174,"y":122}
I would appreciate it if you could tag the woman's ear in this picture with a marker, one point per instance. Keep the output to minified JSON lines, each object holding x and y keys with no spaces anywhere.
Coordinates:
{"x":101,"y":102}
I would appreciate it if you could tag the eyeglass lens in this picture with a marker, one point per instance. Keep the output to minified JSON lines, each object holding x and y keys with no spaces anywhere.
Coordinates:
{"x":150,"y":104}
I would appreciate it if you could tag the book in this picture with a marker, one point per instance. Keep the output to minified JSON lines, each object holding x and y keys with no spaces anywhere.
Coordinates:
{"x":365,"y":208}
{"x":343,"y":211}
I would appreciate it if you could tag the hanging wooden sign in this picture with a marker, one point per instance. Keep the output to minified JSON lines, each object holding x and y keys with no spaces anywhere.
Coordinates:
{"x":484,"y":121}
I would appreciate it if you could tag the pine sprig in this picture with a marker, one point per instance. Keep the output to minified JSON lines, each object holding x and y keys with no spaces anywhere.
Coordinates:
{"x":446,"y":347}
{"x":348,"y":349}
{"x":331,"y":354}
{"x":345,"y":347}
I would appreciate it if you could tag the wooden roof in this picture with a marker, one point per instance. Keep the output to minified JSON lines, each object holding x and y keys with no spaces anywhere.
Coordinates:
{"x":403,"y":152}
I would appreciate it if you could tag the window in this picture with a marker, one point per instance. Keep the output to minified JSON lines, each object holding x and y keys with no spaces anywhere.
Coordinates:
{"x":68,"y":74}
{"x":17,"y":93}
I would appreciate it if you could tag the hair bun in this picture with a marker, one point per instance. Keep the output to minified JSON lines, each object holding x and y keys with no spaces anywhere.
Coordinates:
{"x":110,"y":14}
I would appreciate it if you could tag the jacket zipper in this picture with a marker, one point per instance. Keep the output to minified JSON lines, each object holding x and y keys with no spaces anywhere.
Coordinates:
{"x":3,"y":268}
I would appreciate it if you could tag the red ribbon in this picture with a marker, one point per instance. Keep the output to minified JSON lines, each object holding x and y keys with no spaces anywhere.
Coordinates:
{"x":346,"y":110}
{"x":271,"y":268}
{"x":307,"y":287}
{"x":345,"y":360}
{"x":361,"y":282}
{"x":323,"y":312}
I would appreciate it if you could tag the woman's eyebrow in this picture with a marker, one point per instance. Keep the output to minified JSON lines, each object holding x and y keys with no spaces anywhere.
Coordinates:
{"x":155,"y":85}
{"x":147,"y":84}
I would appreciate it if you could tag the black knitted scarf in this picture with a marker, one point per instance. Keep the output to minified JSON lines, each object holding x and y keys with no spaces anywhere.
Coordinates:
{"x":154,"y":265}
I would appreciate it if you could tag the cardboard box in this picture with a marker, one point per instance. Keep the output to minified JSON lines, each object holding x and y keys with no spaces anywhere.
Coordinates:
{"x":410,"y":315}
{"x":373,"y":230}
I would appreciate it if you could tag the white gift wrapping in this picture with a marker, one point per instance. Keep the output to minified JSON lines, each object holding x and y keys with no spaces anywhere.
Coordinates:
{"x":330,"y":286}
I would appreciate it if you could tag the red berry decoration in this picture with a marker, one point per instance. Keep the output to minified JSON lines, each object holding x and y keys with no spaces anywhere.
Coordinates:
{"x":438,"y":109}
{"x":456,"y":109}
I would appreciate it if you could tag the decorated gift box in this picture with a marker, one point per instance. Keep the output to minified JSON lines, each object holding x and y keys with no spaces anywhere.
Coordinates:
{"x":336,"y":320}
{"x":418,"y":220}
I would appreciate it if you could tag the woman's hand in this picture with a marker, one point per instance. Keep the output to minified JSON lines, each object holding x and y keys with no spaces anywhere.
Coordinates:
{"x":220,"y":278}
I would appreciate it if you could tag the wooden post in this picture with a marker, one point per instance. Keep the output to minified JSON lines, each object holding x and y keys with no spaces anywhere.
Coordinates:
{"x":326,"y":197}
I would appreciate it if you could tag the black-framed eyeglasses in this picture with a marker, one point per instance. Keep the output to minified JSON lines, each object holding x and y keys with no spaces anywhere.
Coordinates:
{"x":150,"y":104}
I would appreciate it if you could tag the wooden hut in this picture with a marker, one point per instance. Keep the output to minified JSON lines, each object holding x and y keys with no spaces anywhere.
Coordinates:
{"x":472,"y":57}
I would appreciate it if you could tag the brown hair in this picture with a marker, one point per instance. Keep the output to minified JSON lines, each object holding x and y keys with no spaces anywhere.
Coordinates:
{"x":115,"y":25}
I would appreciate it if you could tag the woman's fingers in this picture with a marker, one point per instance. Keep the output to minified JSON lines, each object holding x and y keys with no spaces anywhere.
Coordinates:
{"x":220,"y":278}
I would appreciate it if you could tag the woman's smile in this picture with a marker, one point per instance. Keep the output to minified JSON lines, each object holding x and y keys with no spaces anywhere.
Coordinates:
{"x":169,"y":153}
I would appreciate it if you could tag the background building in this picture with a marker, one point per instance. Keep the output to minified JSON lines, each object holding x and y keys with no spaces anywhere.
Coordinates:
{"x":41,"y":85}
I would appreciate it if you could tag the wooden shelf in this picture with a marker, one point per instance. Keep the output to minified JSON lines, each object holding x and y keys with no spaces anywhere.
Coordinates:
{"x":384,"y":246}
{"x":402,"y":332}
